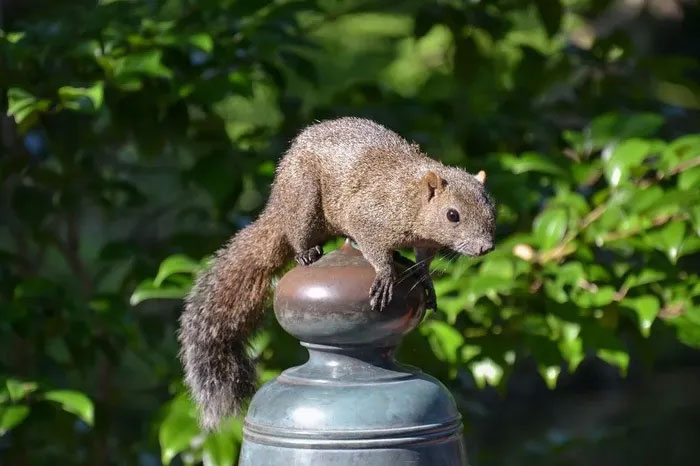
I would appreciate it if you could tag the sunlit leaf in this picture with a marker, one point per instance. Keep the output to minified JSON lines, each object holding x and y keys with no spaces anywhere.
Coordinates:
{"x":598,"y":298}
{"x":550,"y":226}
{"x":22,"y":104}
{"x":619,"y":359}
{"x":11,"y":416}
{"x":82,"y":98}
{"x":202,"y":41}
{"x":19,"y":390}
{"x":570,"y":344}
{"x":531,"y":162}
{"x":74,"y":402}
{"x":147,"y":290}
{"x":174,"y":265}
{"x":669,"y":239}
{"x":498,"y":267}
{"x":644,"y":277}
{"x":220,"y":447}
{"x":146,"y":63}
{"x":689,"y":179}
{"x":626,"y":155}
{"x":178,"y":429}
{"x":695,"y":217}
{"x":550,"y":374}
{"x":646,"y":308}
{"x":486,"y":372}
{"x":444,"y":339}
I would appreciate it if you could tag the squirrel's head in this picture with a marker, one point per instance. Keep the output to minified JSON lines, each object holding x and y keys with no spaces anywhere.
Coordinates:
{"x":457,"y":211}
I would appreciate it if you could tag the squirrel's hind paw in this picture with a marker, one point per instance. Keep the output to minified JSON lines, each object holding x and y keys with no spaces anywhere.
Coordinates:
{"x":309,"y":256}
{"x":430,"y":298}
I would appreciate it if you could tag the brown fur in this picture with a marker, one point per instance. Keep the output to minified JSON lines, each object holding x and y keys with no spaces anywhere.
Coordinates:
{"x":349,"y":177}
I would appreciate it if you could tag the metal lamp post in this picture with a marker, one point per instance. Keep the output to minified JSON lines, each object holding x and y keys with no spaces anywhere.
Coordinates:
{"x":351,"y":403}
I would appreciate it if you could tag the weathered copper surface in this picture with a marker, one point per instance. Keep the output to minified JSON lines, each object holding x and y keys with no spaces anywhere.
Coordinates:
{"x":327,"y":302}
{"x":351,"y":403}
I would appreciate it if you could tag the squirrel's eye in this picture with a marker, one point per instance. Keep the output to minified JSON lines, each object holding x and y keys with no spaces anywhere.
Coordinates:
{"x":453,"y":215}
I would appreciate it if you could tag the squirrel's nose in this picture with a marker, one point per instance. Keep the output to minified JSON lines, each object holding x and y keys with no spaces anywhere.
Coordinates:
{"x":486,"y":248}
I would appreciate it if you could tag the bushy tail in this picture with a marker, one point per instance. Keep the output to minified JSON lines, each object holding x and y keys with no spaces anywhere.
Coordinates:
{"x":221,"y":312}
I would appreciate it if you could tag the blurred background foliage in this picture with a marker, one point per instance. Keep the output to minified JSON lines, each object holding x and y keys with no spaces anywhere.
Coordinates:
{"x":138,"y":135}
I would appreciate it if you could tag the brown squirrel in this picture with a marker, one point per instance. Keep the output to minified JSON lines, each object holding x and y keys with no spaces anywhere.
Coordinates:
{"x":349,"y":177}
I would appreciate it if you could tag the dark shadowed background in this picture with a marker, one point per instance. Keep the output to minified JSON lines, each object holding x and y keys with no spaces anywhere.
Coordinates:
{"x":137,"y":135}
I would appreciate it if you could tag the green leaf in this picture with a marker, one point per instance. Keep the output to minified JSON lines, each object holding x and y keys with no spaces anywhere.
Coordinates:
{"x":219,"y":449}
{"x":444,"y":339}
{"x":688,"y":334}
{"x":13,"y":37}
{"x":202,"y":41}
{"x":695,"y":218}
{"x":145,"y":63}
{"x":550,"y":226}
{"x":258,"y":343}
{"x":669,"y":239}
{"x":76,"y":98}
{"x":644,"y":277}
{"x":641,"y":200}
{"x":617,"y":358}
{"x":147,"y":290}
{"x":570,"y":273}
{"x":486,"y":371}
{"x":611,"y":128}
{"x":570,"y":344}
{"x":73,"y":402}
{"x":178,"y":429}
{"x":175,"y":264}
{"x":500,"y":267}
{"x":486,"y":285}
{"x":555,"y":291}
{"x":550,"y":374}
{"x":626,"y":155}
{"x":689,"y":179}
{"x":592,"y":299}
{"x":10,"y":416}
{"x":641,"y":125}
{"x":33,"y":288}
{"x":531,"y":162}
{"x":682,"y":149}
{"x":21,"y":104}
{"x":646,"y":308}
{"x":18,"y":390}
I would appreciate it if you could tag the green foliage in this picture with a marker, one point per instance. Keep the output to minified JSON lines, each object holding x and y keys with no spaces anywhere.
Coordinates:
{"x":16,"y":398}
{"x":179,"y":432}
{"x":140,"y":135}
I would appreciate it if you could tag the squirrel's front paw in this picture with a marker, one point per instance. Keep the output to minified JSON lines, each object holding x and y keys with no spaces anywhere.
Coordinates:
{"x":309,"y":256}
{"x":381,"y":292}
{"x":430,"y":298}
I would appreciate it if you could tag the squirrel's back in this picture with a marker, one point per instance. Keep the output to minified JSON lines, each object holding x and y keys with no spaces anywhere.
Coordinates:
{"x":348,"y":143}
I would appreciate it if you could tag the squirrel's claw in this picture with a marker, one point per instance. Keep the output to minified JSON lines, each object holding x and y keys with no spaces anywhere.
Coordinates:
{"x":381,"y":292}
{"x":309,"y":256}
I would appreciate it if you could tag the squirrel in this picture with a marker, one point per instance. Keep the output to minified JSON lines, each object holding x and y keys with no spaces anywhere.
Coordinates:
{"x":348,"y":176}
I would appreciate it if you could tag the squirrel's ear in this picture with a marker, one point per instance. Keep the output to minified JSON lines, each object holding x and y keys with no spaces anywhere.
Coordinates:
{"x":481,"y":176}
{"x":432,"y":183}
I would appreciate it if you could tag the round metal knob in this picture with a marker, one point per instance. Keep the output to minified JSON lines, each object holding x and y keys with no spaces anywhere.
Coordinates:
{"x":328,"y":302}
